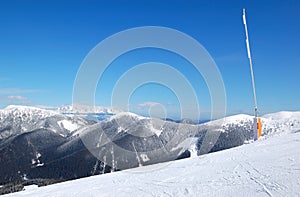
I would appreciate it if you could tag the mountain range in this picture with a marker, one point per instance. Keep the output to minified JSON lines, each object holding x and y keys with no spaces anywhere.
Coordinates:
{"x":49,"y":144}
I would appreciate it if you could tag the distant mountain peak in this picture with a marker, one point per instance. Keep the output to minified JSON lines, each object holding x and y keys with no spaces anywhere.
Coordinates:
{"x":127,"y":115}
{"x":21,"y":109}
{"x":85,"y":109}
{"x":283,"y":115}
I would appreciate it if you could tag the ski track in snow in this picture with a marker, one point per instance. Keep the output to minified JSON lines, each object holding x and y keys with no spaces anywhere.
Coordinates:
{"x":268,"y":167}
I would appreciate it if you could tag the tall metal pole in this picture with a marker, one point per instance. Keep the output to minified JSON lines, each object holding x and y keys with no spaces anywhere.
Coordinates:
{"x":256,"y":134}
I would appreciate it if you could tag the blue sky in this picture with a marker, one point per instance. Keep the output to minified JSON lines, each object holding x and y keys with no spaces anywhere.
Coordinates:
{"x":43,"y":43}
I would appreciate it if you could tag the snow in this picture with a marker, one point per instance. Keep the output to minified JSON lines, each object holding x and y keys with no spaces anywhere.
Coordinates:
{"x":126,"y":115}
{"x":267,"y":167}
{"x":84,"y":109}
{"x":126,"y":120}
{"x":237,"y":120}
{"x":29,"y":188}
{"x":21,"y":107}
{"x":21,"y":111}
{"x":69,"y":125}
{"x":155,"y":131}
{"x":281,"y":121}
{"x":193,"y":150}
{"x":17,"y":119}
{"x":36,"y":159}
{"x":271,"y":123}
{"x":283,"y":115}
{"x":144,"y":157}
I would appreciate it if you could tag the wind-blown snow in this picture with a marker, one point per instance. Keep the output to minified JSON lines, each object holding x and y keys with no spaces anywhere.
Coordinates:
{"x":268,"y":167}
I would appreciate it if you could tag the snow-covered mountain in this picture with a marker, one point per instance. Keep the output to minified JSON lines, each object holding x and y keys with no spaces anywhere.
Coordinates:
{"x":122,"y":141}
{"x":268,"y":167}
{"x":83,"y":109}
{"x":15,"y":119}
{"x":271,"y":123}
{"x":130,"y":140}
{"x":282,"y":121}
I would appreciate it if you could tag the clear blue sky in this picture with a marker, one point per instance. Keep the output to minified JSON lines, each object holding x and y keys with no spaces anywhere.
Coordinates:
{"x":42,"y":44}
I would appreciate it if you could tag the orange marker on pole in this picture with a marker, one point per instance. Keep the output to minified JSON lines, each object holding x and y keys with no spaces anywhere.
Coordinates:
{"x":259,"y":128}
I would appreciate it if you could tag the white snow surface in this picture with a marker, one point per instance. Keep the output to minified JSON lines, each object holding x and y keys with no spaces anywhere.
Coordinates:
{"x":236,"y":120}
{"x":30,"y":188}
{"x":69,"y":125}
{"x":267,"y":167}
{"x":130,"y":115}
{"x":281,"y":121}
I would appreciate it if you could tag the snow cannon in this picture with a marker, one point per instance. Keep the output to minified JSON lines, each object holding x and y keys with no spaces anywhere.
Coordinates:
{"x":257,"y":127}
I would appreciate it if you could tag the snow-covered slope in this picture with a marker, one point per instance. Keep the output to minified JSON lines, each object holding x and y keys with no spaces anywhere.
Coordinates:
{"x":274,"y":122}
{"x":16,"y":119}
{"x":268,"y":167}
{"x":281,"y":121}
{"x":26,"y":112}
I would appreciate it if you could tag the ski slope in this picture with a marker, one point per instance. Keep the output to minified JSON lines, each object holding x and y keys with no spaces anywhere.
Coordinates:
{"x":268,"y":167}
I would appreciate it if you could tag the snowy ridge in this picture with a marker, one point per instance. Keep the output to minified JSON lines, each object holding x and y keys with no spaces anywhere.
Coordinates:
{"x":127,"y":120}
{"x":237,"y":129}
{"x":274,"y":122}
{"x":123,"y":119}
{"x":283,"y":115}
{"x":18,"y":119}
{"x":240,"y":120}
{"x":281,"y":121}
{"x":15,"y":119}
{"x":83,"y":109}
{"x":16,"y":110}
{"x":127,"y":116}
